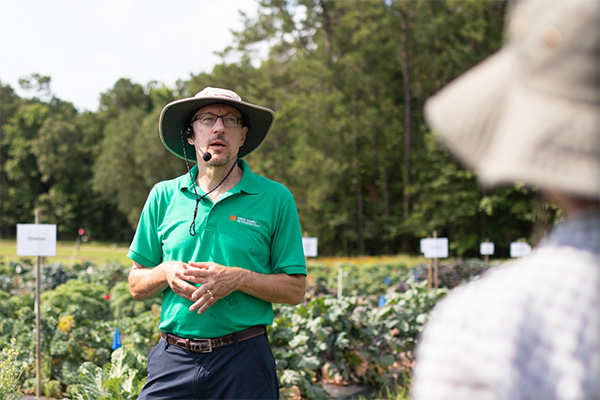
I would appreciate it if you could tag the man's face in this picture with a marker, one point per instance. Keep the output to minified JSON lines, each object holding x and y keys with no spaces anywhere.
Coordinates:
{"x":222,"y":139}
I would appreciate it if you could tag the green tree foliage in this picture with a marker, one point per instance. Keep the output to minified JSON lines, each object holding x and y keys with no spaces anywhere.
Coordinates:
{"x":130,"y":158}
{"x":58,"y":151}
{"x":347,"y":79}
{"x":24,"y":180}
{"x":122,"y":97}
{"x":115,"y":167}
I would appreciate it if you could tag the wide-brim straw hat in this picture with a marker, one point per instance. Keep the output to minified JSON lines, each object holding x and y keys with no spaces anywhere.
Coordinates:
{"x":530,"y":112}
{"x":258,"y":119}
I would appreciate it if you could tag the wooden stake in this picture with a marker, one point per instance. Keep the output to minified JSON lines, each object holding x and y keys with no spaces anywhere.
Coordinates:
{"x":435,"y":262}
{"x":38,"y":351}
{"x":429,"y":265}
{"x":75,"y":250}
{"x":429,"y":275}
{"x":340,"y":273}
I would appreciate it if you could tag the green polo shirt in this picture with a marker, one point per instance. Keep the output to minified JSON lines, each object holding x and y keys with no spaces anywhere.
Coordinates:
{"x":253,"y":226}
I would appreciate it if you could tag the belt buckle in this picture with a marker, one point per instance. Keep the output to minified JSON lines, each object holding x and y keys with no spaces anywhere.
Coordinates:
{"x":201,"y":346}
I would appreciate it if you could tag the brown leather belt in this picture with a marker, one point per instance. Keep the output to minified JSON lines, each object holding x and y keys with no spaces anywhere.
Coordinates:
{"x":207,"y":345}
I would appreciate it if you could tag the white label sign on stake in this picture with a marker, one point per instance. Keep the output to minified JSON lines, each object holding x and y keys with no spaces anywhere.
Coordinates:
{"x":486,"y":248}
{"x":519,"y":249}
{"x":435,"y":248}
{"x":310,"y":246}
{"x":36,"y":240}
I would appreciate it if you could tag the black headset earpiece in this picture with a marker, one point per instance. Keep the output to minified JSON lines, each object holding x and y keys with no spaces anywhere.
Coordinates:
{"x":186,"y":130}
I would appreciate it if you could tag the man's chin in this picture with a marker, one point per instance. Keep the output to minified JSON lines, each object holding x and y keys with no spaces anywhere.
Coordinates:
{"x":219,"y":160}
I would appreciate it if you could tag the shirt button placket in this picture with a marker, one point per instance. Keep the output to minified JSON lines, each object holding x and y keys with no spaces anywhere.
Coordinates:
{"x":210,"y":219}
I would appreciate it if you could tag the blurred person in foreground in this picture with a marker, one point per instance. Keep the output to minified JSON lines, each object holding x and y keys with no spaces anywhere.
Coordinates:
{"x":529,"y":113}
{"x":220,"y":244}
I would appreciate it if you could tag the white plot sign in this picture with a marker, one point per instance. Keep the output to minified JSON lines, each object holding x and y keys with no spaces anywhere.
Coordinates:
{"x":310,"y":246}
{"x":519,"y":249}
{"x":36,"y":240}
{"x":486,"y":248}
{"x":435,"y":248}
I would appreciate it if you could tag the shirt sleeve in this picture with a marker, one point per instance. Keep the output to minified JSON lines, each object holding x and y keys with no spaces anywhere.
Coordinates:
{"x":146,"y":248}
{"x":449,"y":364}
{"x":287,"y":253}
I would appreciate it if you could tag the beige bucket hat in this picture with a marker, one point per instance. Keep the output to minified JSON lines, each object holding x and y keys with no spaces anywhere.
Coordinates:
{"x":530,"y":112}
{"x":258,"y":119}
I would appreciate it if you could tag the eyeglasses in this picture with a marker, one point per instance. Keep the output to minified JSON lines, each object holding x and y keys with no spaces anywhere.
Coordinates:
{"x":209,"y":119}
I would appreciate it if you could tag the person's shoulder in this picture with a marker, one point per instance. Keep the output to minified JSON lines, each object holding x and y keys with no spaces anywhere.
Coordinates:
{"x":169,"y":185}
{"x":264,"y":181}
{"x":547,"y":266}
{"x":527,"y":280}
{"x":270,"y":186}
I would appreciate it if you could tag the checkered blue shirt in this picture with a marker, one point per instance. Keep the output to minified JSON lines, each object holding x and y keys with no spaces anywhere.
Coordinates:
{"x":526,"y":330}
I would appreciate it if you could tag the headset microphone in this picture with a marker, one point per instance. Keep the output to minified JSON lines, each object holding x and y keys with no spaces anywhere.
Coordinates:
{"x":205,"y":156}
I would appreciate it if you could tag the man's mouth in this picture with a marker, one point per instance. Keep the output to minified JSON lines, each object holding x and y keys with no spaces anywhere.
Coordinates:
{"x":217,"y":145}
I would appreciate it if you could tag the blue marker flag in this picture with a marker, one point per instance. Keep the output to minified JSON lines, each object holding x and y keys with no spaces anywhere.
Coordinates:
{"x":381,"y":301}
{"x":387,"y":280}
{"x":116,"y":340}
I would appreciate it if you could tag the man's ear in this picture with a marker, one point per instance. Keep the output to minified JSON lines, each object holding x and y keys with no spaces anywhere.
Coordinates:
{"x":190,"y":135}
{"x":244,"y":133}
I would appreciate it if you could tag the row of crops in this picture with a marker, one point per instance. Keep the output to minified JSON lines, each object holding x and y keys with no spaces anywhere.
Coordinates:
{"x":366,"y":336}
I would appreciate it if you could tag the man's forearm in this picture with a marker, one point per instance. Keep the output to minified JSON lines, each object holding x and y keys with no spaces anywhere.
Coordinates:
{"x":145,"y":283}
{"x":278,"y":288}
{"x":218,"y":281}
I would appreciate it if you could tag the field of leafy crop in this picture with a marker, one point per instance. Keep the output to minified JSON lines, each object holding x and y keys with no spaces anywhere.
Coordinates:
{"x":367,"y":336}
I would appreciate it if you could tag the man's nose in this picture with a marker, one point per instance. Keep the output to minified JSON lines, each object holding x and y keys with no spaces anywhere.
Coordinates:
{"x":219,"y":124}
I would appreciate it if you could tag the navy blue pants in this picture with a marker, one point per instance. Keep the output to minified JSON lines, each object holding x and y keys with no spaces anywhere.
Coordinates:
{"x":243,"y":370}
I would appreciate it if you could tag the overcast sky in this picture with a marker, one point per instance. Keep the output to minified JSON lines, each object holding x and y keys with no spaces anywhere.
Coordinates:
{"x":85,"y":46}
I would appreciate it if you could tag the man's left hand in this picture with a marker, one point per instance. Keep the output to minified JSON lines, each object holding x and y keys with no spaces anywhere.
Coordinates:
{"x":217,"y":281}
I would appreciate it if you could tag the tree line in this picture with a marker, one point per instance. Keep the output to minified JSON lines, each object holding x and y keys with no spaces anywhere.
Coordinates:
{"x":347,"y":80}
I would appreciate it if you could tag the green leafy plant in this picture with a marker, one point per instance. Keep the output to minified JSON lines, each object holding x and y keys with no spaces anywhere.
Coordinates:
{"x":121,"y":379}
{"x":454,"y":273}
{"x":349,"y":340}
{"x":355,"y":339}
{"x":9,"y":372}
{"x":123,"y":305}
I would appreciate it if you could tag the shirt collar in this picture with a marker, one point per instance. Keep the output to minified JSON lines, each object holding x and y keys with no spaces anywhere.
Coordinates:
{"x":184,"y":180}
{"x":247,"y":184}
{"x":581,"y":231}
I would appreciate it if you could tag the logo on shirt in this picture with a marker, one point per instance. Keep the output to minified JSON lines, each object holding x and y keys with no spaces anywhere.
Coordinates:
{"x":244,"y":221}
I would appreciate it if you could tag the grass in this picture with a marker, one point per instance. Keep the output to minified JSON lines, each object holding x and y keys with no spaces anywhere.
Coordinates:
{"x":408,"y":260}
{"x":68,"y":253}
{"x":101,"y":253}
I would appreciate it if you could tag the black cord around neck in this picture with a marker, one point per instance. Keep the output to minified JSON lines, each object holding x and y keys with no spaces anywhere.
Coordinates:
{"x":199,"y":199}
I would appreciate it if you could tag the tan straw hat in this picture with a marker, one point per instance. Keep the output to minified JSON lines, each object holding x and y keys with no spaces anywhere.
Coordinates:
{"x":175,"y":114}
{"x":530,"y":112}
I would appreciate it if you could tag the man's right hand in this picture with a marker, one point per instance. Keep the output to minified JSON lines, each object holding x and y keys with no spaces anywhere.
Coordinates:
{"x":145,"y":283}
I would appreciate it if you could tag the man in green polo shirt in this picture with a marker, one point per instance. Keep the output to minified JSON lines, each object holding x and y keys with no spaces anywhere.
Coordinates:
{"x":221,"y":244}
